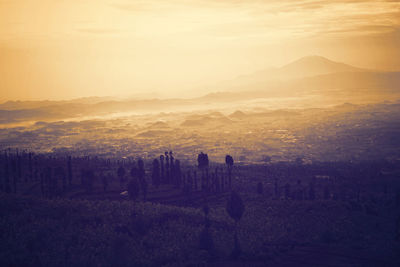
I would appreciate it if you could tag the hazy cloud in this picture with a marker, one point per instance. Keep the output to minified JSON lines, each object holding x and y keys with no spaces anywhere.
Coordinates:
{"x":98,"y":30}
{"x":94,"y":47}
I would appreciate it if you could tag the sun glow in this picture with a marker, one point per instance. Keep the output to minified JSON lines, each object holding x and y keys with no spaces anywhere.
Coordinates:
{"x":67,"y":49}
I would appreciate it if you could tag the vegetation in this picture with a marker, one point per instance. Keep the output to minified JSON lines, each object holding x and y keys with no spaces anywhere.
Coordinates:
{"x":329,"y":210}
{"x":229,"y":164}
{"x":235,"y":209}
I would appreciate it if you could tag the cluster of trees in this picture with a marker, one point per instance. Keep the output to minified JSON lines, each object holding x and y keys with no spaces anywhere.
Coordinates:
{"x":13,"y":170}
{"x":56,"y":174}
{"x":24,"y":167}
{"x":138,"y":182}
{"x":167,"y":170}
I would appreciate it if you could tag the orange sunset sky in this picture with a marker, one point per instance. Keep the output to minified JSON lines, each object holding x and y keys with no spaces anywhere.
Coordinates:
{"x":61,"y":49}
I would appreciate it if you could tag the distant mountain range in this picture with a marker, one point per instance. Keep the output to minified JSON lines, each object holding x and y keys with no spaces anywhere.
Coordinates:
{"x":309,"y":75}
{"x":312,"y":66}
{"x":303,"y":67}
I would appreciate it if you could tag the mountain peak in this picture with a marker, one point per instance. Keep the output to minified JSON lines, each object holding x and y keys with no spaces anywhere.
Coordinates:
{"x":238,"y":114}
{"x":315,"y":65}
{"x":314,"y":58}
{"x":304,"y":67}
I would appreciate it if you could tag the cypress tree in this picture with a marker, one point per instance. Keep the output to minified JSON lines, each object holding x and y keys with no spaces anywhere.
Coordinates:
{"x":7,"y":187}
{"x":156,"y":173}
{"x":133,"y":188}
{"x":195,"y":180}
{"x":171,"y":168}
{"x":178,"y":173}
{"x":19,"y":169}
{"x":30,"y":166}
{"x":121,"y":175}
{"x":229,"y":164}
{"x":69,"y":167}
{"x":142,"y":178}
{"x":162,"y":168}
{"x":14,"y":172}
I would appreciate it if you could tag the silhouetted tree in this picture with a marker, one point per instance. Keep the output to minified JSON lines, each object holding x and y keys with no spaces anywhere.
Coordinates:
{"x":82,"y":177}
{"x":235,"y":209}
{"x":178,"y":173}
{"x":235,"y":206}
{"x":59,"y":173}
{"x":229,"y":164}
{"x":141,"y":174}
{"x":133,"y":188}
{"x":207,"y":180}
{"x":156,"y":173}
{"x":167,"y":170}
{"x":7,"y":187}
{"x":212,"y":186}
{"x":202,"y":160}
{"x":217,"y":181}
{"x":69,"y":168}
{"x":88,"y":180}
{"x":202,"y":164}
{"x":203,"y":184}
{"x":2,"y":174}
{"x":195,"y":180}
{"x":48,"y":183}
{"x":19,"y":169}
{"x":14,"y":172}
{"x":121,"y":175}
{"x":266,"y":158}
{"x":189,"y":184}
{"x":36,"y":172}
{"x":222,"y":180}
{"x":171,"y":167}
{"x":183,"y":182}
{"x":30,"y":166}
{"x":42,"y":184}
{"x":134,"y":171}
{"x":53,"y":182}
{"x":162,"y":168}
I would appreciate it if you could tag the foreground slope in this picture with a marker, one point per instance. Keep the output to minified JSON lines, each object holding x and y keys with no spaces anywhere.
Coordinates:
{"x":38,"y":232}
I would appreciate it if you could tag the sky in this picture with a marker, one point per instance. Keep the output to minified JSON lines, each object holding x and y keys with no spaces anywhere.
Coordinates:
{"x":63,"y":49}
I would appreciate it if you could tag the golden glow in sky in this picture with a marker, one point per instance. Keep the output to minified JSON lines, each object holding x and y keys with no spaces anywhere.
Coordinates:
{"x":57,"y":49}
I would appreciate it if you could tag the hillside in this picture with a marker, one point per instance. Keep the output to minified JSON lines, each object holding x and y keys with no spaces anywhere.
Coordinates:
{"x":110,"y":233}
